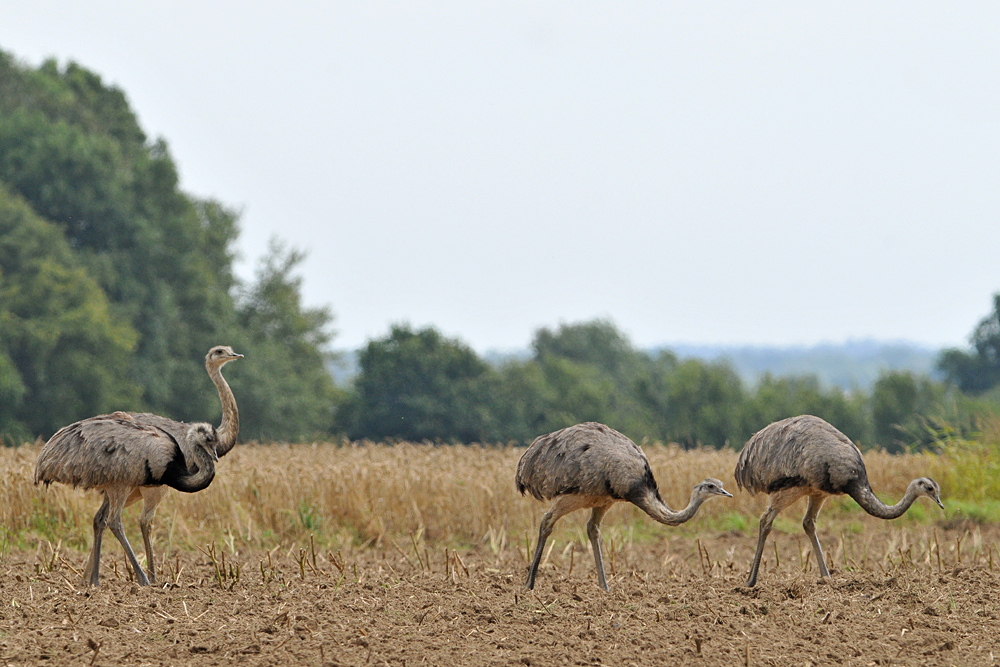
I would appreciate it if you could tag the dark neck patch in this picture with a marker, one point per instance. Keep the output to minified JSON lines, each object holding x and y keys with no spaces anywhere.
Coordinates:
{"x":643,"y":487}
{"x":178,"y":476}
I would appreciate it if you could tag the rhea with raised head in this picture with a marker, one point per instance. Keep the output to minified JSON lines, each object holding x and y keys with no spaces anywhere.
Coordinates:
{"x":127,"y":456}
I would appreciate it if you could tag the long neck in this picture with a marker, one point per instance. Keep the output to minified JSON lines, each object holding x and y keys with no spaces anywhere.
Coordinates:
{"x":230,"y":427}
{"x":191,"y":471}
{"x":870,"y":503}
{"x":654,"y":506}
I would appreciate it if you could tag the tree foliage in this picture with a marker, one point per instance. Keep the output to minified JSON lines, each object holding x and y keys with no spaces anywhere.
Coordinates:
{"x":419,"y":385}
{"x":901,"y":405}
{"x":977,"y":371}
{"x":131,"y":278}
{"x":285,"y":390}
{"x":71,"y":147}
{"x":62,"y":353}
{"x":776,"y":398}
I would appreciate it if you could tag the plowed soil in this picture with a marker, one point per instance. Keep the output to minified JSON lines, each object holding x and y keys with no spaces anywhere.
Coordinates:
{"x":674,"y":602}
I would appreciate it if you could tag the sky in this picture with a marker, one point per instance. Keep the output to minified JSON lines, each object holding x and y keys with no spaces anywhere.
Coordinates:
{"x":763,"y":174}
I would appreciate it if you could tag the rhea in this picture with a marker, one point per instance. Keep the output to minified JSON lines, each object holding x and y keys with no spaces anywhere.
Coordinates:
{"x":128,"y":456}
{"x":592,"y":466}
{"x":806,"y":456}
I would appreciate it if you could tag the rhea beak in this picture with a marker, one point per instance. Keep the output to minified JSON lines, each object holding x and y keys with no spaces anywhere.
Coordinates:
{"x":237,"y":356}
{"x":723,"y":492}
{"x":215,"y":454}
{"x":938,"y":501}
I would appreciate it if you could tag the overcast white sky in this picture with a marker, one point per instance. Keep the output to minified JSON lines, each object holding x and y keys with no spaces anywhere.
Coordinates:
{"x":710,"y":173}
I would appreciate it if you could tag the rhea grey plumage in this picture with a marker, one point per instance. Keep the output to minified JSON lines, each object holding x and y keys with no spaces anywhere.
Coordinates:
{"x":593,"y":466}
{"x":129,"y":456}
{"x":806,"y":456}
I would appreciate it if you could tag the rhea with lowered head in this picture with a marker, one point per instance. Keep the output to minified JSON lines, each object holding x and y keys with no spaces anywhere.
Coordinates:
{"x":592,"y":466}
{"x":806,"y":456}
{"x":128,"y":456}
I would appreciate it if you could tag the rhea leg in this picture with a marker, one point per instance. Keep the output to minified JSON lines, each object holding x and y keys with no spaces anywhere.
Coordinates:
{"x":151,"y":497}
{"x":809,"y":525}
{"x":91,"y":572}
{"x":561,"y":506}
{"x":118,"y":498}
{"x":135,"y":495}
{"x":594,"y":533}
{"x":779,"y":500}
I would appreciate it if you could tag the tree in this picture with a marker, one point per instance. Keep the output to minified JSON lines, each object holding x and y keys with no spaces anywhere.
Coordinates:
{"x":419,"y":385}
{"x":776,"y":398}
{"x":694,"y":402}
{"x":597,"y":343}
{"x":978,"y":371}
{"x":72,"y":148}
{"x":137,"y":282}
{"x":60,"y":345}
{"x":902,"y":403}
{"x":592,"y":372}
{"x":284,"y":388}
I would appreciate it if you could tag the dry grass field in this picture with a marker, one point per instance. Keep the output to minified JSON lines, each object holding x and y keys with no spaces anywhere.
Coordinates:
{"x":269,"y":495}
{"x":415,"y":554}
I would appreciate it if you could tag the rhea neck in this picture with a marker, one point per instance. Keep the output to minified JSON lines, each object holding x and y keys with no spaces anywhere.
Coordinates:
{"x":230,"y":426}
{"x":654,"y":506}
{"x":193,"y":473}
{"x":870,"y":503}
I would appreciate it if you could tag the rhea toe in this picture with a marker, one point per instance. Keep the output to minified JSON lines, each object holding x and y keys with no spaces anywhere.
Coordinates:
{"x":806,"y":456}
{"x":592,"y":466}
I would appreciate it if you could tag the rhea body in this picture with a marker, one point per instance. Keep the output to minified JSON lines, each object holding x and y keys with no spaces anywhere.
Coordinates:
{"x":128,"y":456}
{"x":806,"y":456}
{"x":592,"y":466}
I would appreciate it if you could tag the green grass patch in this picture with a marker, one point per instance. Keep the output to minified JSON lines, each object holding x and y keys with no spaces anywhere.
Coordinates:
{"x":980,"y":512}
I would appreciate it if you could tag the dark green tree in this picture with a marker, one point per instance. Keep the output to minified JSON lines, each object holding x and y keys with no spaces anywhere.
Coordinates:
{"x":150,"y":280}
{"x":977,"y":371}
{"x":283,"y":389}
{"x":592,"y":372}
{"x":776,"y":398}
{"x":419,"y":385}
{"x":597,"y":343}
{"x":693,"y":402}
{"x":62,"y":352}
{"x":72,"y":148}
{"x":902,"y":404}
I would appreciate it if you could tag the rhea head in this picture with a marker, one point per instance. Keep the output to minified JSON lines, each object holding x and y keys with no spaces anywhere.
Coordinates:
{"x":204,"y":436}
{"x":925,"y":486}
{"x":220,"y":355}
{"x":711,"y":487}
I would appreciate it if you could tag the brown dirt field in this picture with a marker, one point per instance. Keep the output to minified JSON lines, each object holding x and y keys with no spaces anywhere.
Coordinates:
{"x":375,"y":605}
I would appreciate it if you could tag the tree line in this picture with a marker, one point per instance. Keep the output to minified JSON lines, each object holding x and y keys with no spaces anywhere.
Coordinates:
{"x":114,"y":283}
{"x":419,"y":385}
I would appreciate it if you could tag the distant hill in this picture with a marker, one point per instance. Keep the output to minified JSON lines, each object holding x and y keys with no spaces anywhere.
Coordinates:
{"x":850,"y":365}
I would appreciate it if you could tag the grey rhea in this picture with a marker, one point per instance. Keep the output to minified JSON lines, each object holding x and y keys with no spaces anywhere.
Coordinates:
{"x":806,"y":456}
{"x":593,"y":466}
{"x":128,"y":456}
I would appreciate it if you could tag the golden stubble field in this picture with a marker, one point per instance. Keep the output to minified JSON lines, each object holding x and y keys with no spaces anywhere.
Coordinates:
{"x":414,"y":554}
